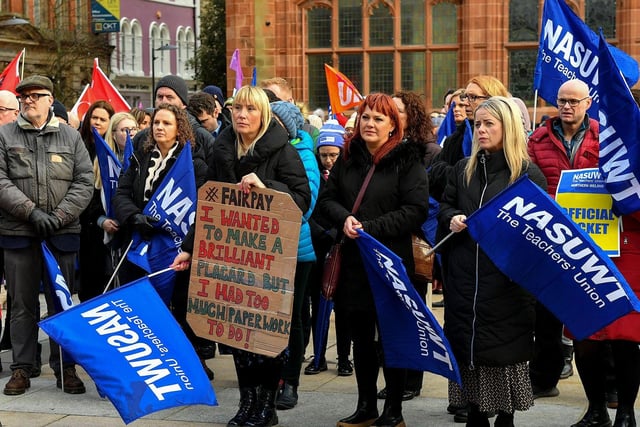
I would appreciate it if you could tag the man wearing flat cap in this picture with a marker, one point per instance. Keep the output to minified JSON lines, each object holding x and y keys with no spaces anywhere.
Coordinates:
{"x":46,"y":180}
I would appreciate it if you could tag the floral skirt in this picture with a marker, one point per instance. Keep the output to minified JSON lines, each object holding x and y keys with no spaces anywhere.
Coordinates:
{"x":503,"y":388}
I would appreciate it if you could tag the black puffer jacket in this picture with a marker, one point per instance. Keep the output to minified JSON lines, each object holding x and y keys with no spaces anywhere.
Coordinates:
{"x":275,"y":161}
{"x":394,"y":204}
{"x":489,"y":319}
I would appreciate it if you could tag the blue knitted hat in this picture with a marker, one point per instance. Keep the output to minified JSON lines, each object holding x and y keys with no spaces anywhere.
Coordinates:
{"x":290,"y":116}
{"x":331,"y":133}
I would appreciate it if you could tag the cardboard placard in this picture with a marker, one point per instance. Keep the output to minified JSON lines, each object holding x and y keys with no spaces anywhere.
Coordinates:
{"x":243,"y":267}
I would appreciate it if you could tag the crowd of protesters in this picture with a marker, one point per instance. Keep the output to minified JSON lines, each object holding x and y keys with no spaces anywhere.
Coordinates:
{"x":509,"y":348}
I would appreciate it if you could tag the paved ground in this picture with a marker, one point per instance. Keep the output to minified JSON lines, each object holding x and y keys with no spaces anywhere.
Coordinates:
{"x":324,"y":398}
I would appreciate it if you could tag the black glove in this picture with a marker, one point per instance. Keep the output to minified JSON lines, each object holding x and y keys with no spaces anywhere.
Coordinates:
{"x":143,"y":225}
{"x":44,"y":223}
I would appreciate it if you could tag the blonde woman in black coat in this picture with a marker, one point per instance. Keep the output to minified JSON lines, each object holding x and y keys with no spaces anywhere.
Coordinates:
{"x":489,"y":319}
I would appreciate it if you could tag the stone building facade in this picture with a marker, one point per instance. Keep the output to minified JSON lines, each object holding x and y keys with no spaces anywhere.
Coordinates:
{"x":422,"y":45}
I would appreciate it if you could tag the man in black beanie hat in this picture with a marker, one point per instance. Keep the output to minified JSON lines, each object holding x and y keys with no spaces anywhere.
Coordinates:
{"x":173,"y":90}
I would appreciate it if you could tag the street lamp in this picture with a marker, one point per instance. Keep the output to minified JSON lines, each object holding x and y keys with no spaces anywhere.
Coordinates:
{"x":153,"y":67}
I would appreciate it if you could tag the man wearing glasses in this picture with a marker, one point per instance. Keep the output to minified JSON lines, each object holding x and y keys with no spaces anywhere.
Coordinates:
{"x":46,"y":180}
{"x":566,"y":141}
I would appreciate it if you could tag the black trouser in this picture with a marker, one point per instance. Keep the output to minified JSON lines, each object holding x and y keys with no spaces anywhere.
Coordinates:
{"x":291,"y":371}
{"x":591,"y":362}
{"x":363,"y":331}
{"x":309,"y":319}
{"x":548,"y":359}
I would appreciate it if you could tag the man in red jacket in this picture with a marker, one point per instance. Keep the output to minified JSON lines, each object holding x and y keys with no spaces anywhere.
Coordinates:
{"x":567,"y":141}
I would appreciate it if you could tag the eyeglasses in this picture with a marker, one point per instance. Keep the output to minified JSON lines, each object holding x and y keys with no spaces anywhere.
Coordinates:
{"x":5,"y":109}
{"x":572,"y":102}
{"x":331,"y":156}
{"x":33,"y":97}
{"x":129,"y":130}
{"x":472,"y":98}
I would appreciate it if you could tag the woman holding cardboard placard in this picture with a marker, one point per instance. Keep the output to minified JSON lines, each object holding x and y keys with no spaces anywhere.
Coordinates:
{"x":255,"y":152}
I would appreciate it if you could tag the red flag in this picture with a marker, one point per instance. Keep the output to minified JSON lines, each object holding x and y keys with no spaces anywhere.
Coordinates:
{"x":343,"y":95}
{"x":83,"y":103}
{"x":10,"y":77}
{"x":101,"y":89}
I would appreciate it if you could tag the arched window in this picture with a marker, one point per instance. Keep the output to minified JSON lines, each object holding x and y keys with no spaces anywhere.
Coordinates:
{"x":190,"y":51}
{"x":186,"y":51}
{"x":164,"y":56}
{"x":136,"y":47}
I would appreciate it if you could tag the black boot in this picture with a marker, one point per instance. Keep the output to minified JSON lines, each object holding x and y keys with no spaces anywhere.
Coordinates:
{"x":365,"y":415}
{"x":504,"y":419}
{"x":391,"y":417}
{"x":625,"y":417}
{"x":288,"y":396}
{"x":567,"y":369}
{"x":248,"y":400}
{"x":475,"y":418}
{"x":265,"y":411}
{"x":596,"y":416}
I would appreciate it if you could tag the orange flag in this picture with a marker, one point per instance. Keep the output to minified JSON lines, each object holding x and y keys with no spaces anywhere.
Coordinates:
{"x":343,"y":95}
{"x":10,"y":77}
{"x":101,"y":89}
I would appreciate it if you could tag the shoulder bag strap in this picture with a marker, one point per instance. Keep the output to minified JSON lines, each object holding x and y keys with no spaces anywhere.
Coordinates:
{"x":365,"y":184}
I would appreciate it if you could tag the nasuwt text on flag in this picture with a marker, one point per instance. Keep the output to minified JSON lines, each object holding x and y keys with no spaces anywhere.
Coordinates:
{"x":411,"y":336}
{"x":619,"y":117}
{"x":533,"y":242}
{"x":151,"y":364}
{"x":173,"y":205}
{"x":568,"y":49}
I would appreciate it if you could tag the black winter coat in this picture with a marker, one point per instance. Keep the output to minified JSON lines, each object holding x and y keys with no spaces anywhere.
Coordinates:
{"x":443,"y":162}
{"x":489,"y":321}
{"x":394,"y":204}
{"x":129,"y":197}
{"x":275,"y":161}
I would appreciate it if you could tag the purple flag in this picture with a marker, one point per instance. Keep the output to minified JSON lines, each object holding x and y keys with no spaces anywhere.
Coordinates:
{"x":235,"y":66}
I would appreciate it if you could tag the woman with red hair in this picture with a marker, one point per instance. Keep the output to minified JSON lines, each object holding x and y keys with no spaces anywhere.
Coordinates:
{"x":394,"y":204}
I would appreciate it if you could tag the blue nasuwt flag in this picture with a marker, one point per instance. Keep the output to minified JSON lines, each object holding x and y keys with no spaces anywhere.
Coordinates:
{"x":619,"y":118}
{"x":174,"y":206}
{"x":467,"y":140}
{"x":110,"y":168}
{"x":128,"y":152}
{"x":568,"y":49}
{"x":411,"y":336}
{"x":59,"y":290}
{"x":448,"y":125}
{"x":254,"y":76}
{"x":134,"y":350}
{"x":530,"y":238}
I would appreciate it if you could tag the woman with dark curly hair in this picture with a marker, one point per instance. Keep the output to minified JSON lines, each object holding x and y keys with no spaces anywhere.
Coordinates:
{"x":170,"y":131}
{"x":416,"y":123}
